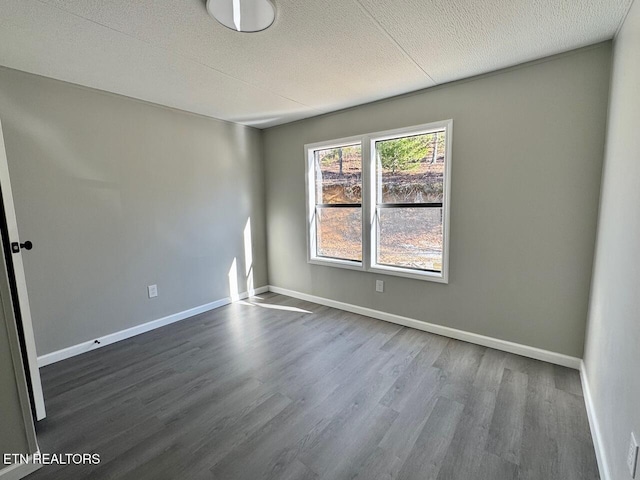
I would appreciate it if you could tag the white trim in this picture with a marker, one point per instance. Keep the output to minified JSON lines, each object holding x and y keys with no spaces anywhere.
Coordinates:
{"x":368,"y":206}
{"x":408,"y":273}
{"x":16,"y":354}
{"x":498,"y":344}
{"x":371,"y":191}
{"x":338,"y":142}
{"x":598,"y":443}
{"x":336,"y":262}
{"x":19,"y":470}
{"x":74,"y":350}
{"x":369,"y":220}
{"x":310,"y":171}
{"x":21,"y":286}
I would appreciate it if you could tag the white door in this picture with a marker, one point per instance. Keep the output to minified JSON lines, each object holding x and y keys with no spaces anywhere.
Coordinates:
{"x":21,"y":285}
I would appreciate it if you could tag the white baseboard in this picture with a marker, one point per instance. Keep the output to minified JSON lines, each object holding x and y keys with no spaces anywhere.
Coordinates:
{"x":598,"y":444}
{"x":18,"y":470}
{"x":74,"y":350}
{"x":504,"y":345}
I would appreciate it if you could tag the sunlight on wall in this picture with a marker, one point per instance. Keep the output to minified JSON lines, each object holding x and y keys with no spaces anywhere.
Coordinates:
{"x":236,"y":283}
{"x":234,"y":294}
{"x":248,"y":256}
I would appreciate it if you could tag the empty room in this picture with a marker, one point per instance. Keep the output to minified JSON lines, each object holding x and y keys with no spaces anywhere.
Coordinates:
{"x":303,"y":240}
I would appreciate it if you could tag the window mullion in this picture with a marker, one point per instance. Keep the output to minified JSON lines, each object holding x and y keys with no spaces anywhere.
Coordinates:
{"x":367,"y":202}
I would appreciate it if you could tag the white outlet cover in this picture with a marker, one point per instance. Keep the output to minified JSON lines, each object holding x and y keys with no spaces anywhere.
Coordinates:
{"x":632,"y":456}
{"x":379,"y":286}
{"x":153,"y":291}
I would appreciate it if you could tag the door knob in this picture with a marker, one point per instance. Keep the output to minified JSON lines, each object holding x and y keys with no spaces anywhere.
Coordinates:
{"x":15,"y":246}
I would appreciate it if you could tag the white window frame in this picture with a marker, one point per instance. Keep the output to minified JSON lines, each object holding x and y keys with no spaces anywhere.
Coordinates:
{"x":312,"y":256}
{"x":369,"y":220}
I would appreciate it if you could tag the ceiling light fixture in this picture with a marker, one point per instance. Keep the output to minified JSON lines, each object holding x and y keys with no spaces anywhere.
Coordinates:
{"x":243,"y":15}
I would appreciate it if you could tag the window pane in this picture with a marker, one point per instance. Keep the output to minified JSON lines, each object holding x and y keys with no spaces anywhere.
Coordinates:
{"x":411,"y":169}
{"x":339,"y":233}
{"x":338,"y":174}
{"x":410,"y":237}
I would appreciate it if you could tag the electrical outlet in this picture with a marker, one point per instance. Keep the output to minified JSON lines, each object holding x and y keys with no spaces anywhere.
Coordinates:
{"x":632,"y":456}
{"x":153,"y":291}
{"x":379,"y":286}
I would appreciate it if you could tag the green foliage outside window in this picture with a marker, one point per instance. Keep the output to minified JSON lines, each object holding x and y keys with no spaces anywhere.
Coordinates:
{"x":403,"y":154}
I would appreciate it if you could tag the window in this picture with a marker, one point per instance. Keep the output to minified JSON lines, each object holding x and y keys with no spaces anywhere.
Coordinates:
{"x":394,"y":222}
{"x":409,"y":198}
{"x":335,"y":184}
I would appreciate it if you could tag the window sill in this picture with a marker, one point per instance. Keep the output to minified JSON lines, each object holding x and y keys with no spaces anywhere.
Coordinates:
{"x":381,"y":269}
{"x":334,"y":262}
{"x":415,"y":274}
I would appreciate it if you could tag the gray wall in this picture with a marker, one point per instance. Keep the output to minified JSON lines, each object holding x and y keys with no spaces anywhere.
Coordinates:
{"x":526,"y":167}
{"x":118,"y":194}
{"x":612,"y":353}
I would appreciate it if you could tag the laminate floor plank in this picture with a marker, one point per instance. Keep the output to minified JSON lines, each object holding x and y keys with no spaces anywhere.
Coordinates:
{"x":430,"y":449}
{"x":289,"y":434}
{"x":345,"y":445}
{"x":566,"y":380}
{"x":489,"y":374}
{"x":496,"y":468}
{"x":466,"y":452}
{"x":411,"y":376}
{"x":380,"y":465}
{"x":540,"y":434}
{"x":278,"y":388}
{"x":505,"y":433}
{"x":574,"y":440}
{"x":413,"y":414}
{"x":222,"y":439}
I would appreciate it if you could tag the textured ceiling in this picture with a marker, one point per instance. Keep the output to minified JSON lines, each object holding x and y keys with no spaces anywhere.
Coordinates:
{"x":318,"y":56}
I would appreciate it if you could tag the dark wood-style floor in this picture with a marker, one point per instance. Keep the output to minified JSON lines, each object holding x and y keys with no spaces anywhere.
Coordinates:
{"x":277,"y":388}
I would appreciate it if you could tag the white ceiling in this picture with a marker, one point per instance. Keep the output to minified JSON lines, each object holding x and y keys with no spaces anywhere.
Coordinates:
{"x":317,"y":57}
